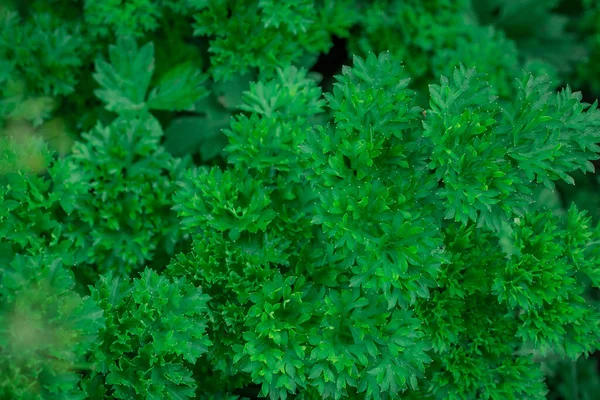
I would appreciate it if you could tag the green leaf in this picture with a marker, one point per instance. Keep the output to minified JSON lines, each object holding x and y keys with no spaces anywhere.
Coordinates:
{"x":178,"y":89}
{"x":126,"y":78}
{"x":203,"y":133}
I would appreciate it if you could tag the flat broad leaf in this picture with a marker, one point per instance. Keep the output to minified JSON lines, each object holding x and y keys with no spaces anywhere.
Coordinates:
{"x":203,"y":133}
{"x":178,"y":89}
{"x":126,"y":78}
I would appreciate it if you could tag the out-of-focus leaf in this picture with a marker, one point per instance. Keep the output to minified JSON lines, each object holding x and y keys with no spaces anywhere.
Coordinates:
{"x":203,"y":133}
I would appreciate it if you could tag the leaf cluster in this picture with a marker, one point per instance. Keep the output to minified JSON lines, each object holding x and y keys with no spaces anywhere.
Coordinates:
{"x":399,"y":235}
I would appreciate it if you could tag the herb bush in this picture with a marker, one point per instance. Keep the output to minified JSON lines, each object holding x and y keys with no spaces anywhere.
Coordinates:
{"x":309,"y":199}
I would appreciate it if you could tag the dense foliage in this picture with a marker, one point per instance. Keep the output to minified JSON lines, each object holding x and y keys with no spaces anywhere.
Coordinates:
{"x":309,"y":199}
